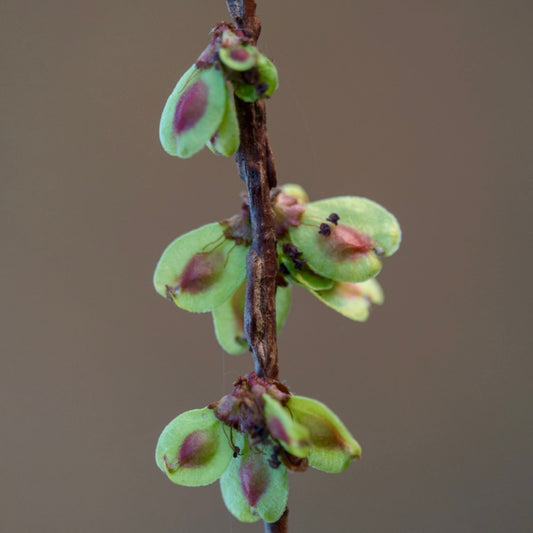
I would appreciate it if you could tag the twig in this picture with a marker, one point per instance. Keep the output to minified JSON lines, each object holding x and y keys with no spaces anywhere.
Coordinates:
{"x":256,"y":169}
{"x":260,"y":308}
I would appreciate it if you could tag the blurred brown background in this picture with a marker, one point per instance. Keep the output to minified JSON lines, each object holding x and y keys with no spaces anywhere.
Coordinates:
{"x":425,"y":107}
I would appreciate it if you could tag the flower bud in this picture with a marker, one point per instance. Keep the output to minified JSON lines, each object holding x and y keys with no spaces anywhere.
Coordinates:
{"x":296,"y":191}
{"x":288,"y":212}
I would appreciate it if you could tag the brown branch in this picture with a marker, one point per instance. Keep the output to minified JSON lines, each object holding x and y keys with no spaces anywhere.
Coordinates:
{"x":236,"y":10}
{"x":256,"y":168}
{"x":243,"y":14}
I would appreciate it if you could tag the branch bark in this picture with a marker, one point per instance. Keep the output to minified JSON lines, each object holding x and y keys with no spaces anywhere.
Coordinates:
{"x":256,"y":168}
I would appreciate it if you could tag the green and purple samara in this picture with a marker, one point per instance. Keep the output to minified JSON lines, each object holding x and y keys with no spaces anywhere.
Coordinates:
{"x":248,"y":440}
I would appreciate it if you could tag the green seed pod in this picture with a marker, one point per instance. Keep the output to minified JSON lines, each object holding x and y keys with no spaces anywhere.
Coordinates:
{"x":304,"y":276}
{"x":352,"y":300}
{"x":193,"y":449}
{"x":251,"y":488}
{"x":344,"y":238}
{"x":227,"y":138}
{"x":239,"y":58}
{"x":200,"y":270}
{"x":258,"y":82}
{"x":228,"y":319}
{"x":292,"y":436}
{"x":194,"y":111}
{"x":268,"y":74}
{"x":332,"y":445}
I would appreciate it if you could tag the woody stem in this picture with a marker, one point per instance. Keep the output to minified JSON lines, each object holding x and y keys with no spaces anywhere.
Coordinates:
{"x":256,"y":168}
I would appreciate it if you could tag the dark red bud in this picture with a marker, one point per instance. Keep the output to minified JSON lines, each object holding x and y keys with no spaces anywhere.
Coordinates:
{"x":228,"y":411}
{"x":287,"y":211}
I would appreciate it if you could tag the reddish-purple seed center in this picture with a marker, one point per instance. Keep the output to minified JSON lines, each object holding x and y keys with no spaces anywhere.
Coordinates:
{"x":254,"y":480}
{"x":237,"y":306}
{"x":323,"y":433}
{"x":201,"y":272}
{"x":196,"y":450}
{"x":277,"y":430}
{"x":346,"y":243}
{"x":191,"y":107}
{"x":239,"y":54}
